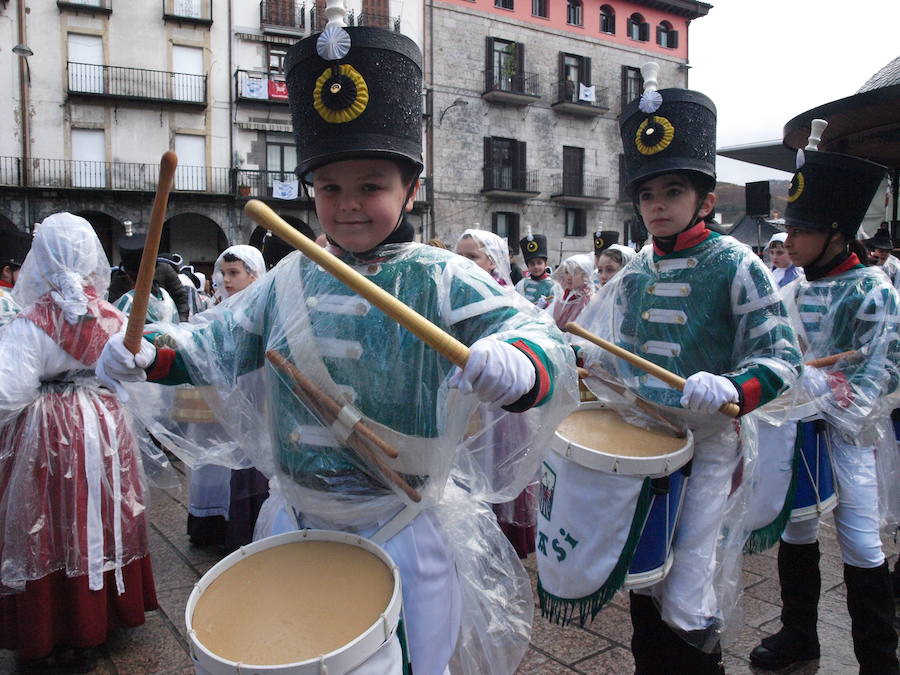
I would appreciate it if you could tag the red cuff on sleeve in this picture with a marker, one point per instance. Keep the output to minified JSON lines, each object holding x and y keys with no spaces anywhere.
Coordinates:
{"x":751,"y":391}
{"x":165,"y":357}
{"x":542,"y":376}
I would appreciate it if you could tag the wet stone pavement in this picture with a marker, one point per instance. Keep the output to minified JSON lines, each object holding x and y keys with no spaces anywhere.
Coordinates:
{"x":161,"y":646}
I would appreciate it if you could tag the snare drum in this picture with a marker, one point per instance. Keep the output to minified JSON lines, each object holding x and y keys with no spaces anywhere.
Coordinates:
{"x":312,"y":601}
{"x":815,"y":493}
{"x":608,"y":507}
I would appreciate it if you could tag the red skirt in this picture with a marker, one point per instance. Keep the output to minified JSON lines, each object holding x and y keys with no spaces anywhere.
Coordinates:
{"x":56,"y":610}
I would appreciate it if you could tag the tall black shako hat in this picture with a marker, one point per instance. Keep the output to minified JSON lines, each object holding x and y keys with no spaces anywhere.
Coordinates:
{"x":533,"y":246}
{"x":274,"y":248}
{"x":131,"y":248}
{"x":830,"y":191}
{"x":881,"y":241}
{"x":667,"y":131}
{"x":603,"y":239}
{"x":14,"y":246}
{"x":355,"y":93}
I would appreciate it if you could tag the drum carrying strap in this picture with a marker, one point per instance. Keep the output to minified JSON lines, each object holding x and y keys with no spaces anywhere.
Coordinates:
{"x":400,"y":520}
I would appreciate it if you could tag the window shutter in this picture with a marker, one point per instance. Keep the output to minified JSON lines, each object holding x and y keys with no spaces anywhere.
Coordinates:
{"x":624,"y":86}
{"x":488,"y":63}
{"x":659,"y":36}
{"x":623,"y":178}
{"x":562,"y":68}
{"x":586,"y":70}
{"x":612,"y":24}
{"x":513,"y":231}
{"x":673,"y":39}
{"x":520,"y":63}
{"x":644,"y":32}
{"x":522,"y":182}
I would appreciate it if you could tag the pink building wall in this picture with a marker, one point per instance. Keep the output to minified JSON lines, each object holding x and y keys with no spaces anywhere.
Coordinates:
{"x":590,"y":27}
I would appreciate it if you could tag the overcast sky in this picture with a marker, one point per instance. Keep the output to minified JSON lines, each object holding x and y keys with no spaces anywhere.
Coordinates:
{"x":765,"y":61}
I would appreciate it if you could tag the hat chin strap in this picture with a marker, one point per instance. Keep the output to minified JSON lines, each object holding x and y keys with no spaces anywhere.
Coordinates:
{"x":815,"y":263}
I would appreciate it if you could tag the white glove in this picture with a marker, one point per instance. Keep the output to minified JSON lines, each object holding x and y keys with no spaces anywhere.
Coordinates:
{"x":706,"y":393}
{"x":497,"y":372}
{"x":116,"y":364}
{"x":815,"y":382}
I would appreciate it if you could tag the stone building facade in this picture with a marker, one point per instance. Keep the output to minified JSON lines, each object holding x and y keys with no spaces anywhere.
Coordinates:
{"x":525,"y":96}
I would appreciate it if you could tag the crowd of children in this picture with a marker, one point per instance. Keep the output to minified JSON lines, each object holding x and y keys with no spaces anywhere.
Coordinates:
{"x":471,"y":439}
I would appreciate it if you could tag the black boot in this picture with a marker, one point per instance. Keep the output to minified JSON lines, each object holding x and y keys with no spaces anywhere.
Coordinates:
{"x":871,"y":606}
{"x":688,"y":659}
{"x":650,"y":636}
{"x":798,"y":574}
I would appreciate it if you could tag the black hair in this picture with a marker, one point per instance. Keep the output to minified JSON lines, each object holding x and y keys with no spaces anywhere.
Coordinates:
{"x":231,"y":257}
{"x":615,"y":255}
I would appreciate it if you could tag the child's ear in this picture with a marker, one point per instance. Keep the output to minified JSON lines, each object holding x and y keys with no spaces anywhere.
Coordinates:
{"x":412,"y":197}
{"x":707,"y":204}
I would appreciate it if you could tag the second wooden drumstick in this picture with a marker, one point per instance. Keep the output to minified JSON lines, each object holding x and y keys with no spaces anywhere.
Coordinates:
{"x":670,"y":378}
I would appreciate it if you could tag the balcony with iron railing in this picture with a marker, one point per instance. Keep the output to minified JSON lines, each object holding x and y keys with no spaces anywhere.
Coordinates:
{"x":261,"y":184}
{"x":74,"y":174}
{"x":577,"y":99}
{"x":283,"y":16}
{"x":255,"y":86}
{"x":504,"y":86}
{"x":89,"y":6}
{"x":87,"y":80}
{"x":579,"y":189}
{"x":501,"y":182}
{"x":362,"y":19}
{"x":188,"y":11}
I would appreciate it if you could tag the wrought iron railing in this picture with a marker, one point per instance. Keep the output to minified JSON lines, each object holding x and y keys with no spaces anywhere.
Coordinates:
{"x":116,"y":176}
{"x":501,"y":79}
{"x":508,"y":179}
{"x":259,"y":183}
{"x":568,"y":91}
{"x":87,"y":79}
{"x":283,"y":13}
{"x":581,"y":185}
{"x":198,"y":11}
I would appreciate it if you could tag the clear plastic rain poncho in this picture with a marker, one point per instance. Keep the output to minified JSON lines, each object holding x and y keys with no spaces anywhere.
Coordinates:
{"x":575,"y":298}
{"x":855,"y":311}
{"x":249,"y":255}
{"x":353,"y":362}
{"x":71,"y":492}
{"x":496,"y":248}
{"x":713,"y":307}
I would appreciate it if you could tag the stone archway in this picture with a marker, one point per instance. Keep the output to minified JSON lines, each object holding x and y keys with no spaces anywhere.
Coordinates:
{"x":108,"y":230}
{"x":197,"y":238}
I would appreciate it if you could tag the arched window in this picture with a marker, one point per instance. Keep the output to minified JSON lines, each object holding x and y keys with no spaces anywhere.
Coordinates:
{"x":637,"y":28}
{"x":666,"y":35}
{"x":573,"y":13}
{"x":607,"y":20}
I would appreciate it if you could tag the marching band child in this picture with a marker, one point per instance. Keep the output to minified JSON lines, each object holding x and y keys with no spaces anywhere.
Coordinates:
{"x":73,"y":519}
{"x":487,"y":250}
{"x":356,"y":105}
{"x":783,"y":269}
{"x":578,"y":288}
{"x":840,"y":306}
{"x":705,"y":307}
{"x":538,"y":286}
{"x":609,"y":256}
{"x":161,"y":306}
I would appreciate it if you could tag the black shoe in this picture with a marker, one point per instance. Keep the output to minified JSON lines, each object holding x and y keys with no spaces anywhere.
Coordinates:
{"x":782,"y":650}
{"x":871,"y":610}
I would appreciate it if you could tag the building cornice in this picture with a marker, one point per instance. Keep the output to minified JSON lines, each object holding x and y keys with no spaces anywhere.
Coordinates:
{"x":690,"y":9}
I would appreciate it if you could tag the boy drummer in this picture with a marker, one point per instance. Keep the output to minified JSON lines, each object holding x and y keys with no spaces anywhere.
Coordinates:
{"x":705,"y":307}
{"x":355,"y":98}
{"x":538,"y":287}
{"x":840,"y":306}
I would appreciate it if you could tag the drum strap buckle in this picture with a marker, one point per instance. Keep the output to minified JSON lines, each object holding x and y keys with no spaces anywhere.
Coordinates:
{"x":400,"y":520}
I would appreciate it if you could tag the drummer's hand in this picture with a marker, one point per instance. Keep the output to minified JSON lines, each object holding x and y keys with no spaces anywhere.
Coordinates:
{"x":496,"y":372}
{"x":815,"y":382}
{"x":116,"y":364}
{"x":705,"y":392}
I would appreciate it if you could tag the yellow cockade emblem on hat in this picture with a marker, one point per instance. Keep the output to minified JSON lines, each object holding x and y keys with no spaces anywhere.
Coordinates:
{"x":654,"y":135}
{"x":340,"y":97}
{"x":532,"y":246}
{"x":796,"y":189}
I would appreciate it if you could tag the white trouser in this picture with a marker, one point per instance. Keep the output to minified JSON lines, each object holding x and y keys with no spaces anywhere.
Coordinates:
{"x":856,"y":514}
{"x":431,"y":594}
{"x":687,"y":596}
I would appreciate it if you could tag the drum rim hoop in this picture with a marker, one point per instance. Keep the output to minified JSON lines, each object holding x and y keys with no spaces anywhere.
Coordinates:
{"x":349,"y":655}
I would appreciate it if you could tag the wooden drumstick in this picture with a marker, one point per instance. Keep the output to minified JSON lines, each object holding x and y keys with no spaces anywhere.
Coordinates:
{"x":442,"y":342}
{"x":134,"y":331}
{"x":355,"y":441}
{"x":670,"y":378}
{"x":826,"y":361}
{"x":646,"y":406}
